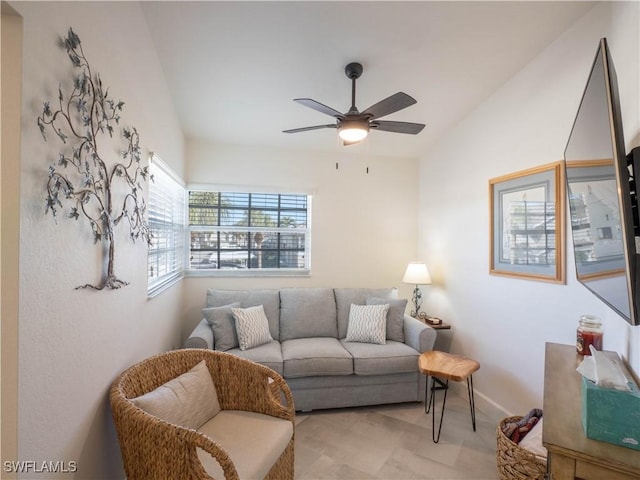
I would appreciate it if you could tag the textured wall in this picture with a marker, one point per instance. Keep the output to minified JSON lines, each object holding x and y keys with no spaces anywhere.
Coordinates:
{"x":73,"y":343}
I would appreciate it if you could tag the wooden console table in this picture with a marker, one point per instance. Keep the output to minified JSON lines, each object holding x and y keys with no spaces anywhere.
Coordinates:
{"x":571,"y":453}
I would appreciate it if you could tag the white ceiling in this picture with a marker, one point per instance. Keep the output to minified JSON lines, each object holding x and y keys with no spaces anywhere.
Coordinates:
{"x":234,"y":68}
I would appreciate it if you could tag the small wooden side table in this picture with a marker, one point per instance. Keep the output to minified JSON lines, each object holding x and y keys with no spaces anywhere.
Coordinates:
{"x":442,"y":365}
{"x":439,"y":326}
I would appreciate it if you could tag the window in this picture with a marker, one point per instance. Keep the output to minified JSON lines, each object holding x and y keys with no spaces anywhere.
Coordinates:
{"x":236,"y":232}
{"x":167,"y":225}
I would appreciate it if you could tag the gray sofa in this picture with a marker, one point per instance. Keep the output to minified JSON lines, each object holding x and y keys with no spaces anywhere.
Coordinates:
{"x":309,"y":327}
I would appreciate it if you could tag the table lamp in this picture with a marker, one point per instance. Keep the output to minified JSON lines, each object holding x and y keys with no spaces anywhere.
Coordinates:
{"x":417,"y":274}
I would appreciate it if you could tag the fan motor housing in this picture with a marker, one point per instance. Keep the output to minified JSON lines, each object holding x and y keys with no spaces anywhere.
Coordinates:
{"x":353,"y":70}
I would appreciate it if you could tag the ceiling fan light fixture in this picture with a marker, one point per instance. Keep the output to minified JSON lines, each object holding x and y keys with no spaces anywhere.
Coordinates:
{"x":353,"y":130}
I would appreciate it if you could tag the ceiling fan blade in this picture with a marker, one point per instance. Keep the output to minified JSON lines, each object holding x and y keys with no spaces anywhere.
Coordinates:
{"x":397,"y":127}
{"x":390,"y":105}
{"x":308,"y":102}
{"x":306,"y":129}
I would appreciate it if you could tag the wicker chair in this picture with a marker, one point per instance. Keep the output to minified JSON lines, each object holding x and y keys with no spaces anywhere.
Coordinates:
{"x":154,"y":449}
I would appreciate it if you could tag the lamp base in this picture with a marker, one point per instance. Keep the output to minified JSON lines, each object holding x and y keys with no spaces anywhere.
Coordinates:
{"x":417,"y":303}
{"x":419,"y":315}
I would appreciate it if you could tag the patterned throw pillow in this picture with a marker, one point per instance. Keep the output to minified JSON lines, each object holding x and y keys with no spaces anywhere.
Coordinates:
{"x":367,"y":324}
{"x":252,"y":327}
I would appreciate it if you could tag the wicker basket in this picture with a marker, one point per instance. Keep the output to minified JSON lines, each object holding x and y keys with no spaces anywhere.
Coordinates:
{"x":514,"y":462}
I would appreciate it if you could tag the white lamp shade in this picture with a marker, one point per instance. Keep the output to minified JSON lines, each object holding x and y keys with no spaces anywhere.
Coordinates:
{"x":417,"y":274}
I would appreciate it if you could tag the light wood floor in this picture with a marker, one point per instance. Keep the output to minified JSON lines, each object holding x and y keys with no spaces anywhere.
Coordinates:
{"x":394,"y":443}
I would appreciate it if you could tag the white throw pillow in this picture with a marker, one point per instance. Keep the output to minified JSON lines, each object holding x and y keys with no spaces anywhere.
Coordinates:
{"x":252,"y":327}
{"x":367,"y":324}
{"x":189,"y":400}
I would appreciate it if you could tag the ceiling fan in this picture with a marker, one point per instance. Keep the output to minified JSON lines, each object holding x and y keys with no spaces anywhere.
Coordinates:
{"x":354,"y":126}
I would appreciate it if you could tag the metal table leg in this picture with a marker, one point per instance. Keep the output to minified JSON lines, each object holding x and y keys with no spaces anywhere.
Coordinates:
{"x":437,"y":384}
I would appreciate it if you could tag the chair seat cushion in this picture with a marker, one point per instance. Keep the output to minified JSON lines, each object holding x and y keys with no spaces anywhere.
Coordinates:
{"x":253,"y":441}
{"x":305,"y":357}
{"x":373,"y":359}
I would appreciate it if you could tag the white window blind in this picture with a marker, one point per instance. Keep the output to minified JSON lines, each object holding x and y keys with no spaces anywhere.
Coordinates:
{"x":167,"y":207}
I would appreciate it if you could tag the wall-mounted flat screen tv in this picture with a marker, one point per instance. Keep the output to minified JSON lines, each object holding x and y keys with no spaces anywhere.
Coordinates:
{"x":601,"y":193}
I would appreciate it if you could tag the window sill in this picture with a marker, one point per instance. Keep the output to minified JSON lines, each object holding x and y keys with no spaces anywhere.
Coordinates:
{"x":248,"y":273}
{"x":161,"y":287}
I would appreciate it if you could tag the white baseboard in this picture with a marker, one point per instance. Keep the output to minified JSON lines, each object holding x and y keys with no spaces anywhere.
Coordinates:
{"x":485,"y":404}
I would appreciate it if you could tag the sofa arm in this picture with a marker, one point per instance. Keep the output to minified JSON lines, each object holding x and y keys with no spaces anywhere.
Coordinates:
{"x":201,"y":337}
{"x":418,"y":335}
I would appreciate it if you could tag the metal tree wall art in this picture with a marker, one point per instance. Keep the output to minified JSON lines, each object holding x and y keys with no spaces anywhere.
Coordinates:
{"x":83,"y":119}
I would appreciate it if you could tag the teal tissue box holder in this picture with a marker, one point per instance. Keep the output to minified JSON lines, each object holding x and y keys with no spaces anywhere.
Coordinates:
{"x":612,"y":416}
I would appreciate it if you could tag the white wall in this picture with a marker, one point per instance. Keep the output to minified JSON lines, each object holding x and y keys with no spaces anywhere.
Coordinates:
{"x":10,"y":69}
{"x":73,"y":343}
{"x":502,"y":322}
{"x":363,"y":225}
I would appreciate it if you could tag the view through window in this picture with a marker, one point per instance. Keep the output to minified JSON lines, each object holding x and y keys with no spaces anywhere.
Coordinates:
{"x":238,"y":231}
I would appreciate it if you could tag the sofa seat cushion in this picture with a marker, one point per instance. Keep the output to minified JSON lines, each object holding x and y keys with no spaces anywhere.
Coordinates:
{"x":307,"y":312}
{"x":254,"y":442}
{"x":373,"y":359}
{"x":305,"y":357}
{"x":269,"y":355}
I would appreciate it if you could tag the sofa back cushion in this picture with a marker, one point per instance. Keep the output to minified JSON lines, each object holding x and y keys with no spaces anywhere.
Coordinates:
{"x":357,"y":296}
{"x":307,"y":312}
{"x":268,"y":298}
{"x":395,"y":316}
{"x":221,"y":321}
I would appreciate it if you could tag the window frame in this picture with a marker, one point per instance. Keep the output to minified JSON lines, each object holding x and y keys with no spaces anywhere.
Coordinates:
{"x":248,"y":272}
{"x":175,"y":194}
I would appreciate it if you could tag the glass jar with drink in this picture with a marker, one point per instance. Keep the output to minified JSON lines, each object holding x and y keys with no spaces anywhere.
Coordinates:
{"x":589,"y":333}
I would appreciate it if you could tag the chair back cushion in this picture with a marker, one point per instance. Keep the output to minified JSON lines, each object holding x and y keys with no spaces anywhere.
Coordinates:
{"x":189,"y":400}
